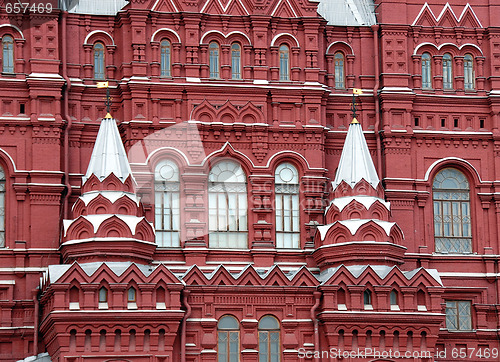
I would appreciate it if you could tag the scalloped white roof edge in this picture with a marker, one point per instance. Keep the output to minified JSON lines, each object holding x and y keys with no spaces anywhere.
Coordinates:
{"x":98,"y":219}
{"x":366,"y":201}
{"x":355,"y":224}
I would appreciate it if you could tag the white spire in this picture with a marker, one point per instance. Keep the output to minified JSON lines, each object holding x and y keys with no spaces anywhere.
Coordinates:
{"x":109,"y":155}
{"x":355,"y":161}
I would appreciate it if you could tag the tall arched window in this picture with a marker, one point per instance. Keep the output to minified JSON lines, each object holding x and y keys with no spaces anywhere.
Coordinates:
{"x":269,"y":339}
{"x":426,"y":71}
{"x":284,"y":62}
{"x":468,"y":72}
{"x":452,"y":221}
{"x":8,"y":54}
{"x":339,"y":70}
{"x":165,"y":61}
{"x":2,"y":207}
{"x":227,"y":206}
{"x":213,"y":49}
{"x":228,"y":335}
{"x":167,"y":208}
{"x":287,"y":206}
{"x":447,"y":71}
{"x":99,"y":71}
{"x":236,"y":61}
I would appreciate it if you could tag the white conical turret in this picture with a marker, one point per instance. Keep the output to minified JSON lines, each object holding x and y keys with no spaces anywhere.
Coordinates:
{"x":109,"y":155}
{"x":356,"y":162}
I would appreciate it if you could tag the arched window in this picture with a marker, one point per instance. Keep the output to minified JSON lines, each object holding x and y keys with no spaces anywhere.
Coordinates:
{"x":367,"y":298}
{"x":2,"y":207}
{"x":74,"y":298}
{"x":227,"y":206}
{"x":165,"y":60}
{"x":284,"y":62}
{"x":286,"y":189}
{"x":228,"y":334}
{"x":236,"y":61}
{"x":421,"y":304}
{"x":447,"y":71}
{"x":339,"y":70}
{"x":8,"y":54}
{"x":426,"y":71}
{"x":167,"y":208}
{"x":214,"y":59}
{"x":468,"y":72}
{"x":452,"y":221}
{"x":131,"y":295}
{"x":99,"y":61}
{"x":393,"y":299}
{"x":269,"y":339}
{"x":103,"y":298}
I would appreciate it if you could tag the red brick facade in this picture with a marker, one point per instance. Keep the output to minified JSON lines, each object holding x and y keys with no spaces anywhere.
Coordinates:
{"x":236,"y":91}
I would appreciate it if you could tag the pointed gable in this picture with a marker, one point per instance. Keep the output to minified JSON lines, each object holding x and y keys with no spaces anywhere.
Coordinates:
{"x":212,"y":7}
{"x":469,"y":19}
{"x":447,"y":18}
{"x":166,"y":6}
{"x":194,"y":276}
{"x":284,"y":9}
{"x":425,"y":17}
{"x":237,"y":8}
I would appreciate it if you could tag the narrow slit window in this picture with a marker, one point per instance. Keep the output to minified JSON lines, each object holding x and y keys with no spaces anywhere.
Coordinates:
{"x":284,"y":54}
{"x":99,"y":68}
{"x":447,"y":71}
{"x":236,"y":61}
{"x":287,"y":206}
{"x":469,"y":76}
{"x":426,"y":71}
{"x":8,"y":54}
{"x":165,"y":60}
{"x":339,"y":70}
{"x":167,"y":204}
{"x":214,"y":60}
{"x":2,"y":207}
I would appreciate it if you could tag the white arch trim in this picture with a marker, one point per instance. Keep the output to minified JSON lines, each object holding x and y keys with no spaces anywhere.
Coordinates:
{"x":14,"y":27}
{"x":96,"y":32}
{"x":166,"y":29}
{"x":8,"y":157}
{"x":182,"y":154}
{"x":227,"y":144}
{"x":225,"y":35}
{"x":445,"y":44}
{"x":282,"y":34}
{"x":436,"y":163}
{"x":339,"y":42}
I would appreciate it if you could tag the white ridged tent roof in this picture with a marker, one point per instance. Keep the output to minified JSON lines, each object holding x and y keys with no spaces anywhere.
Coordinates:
{"x":93,"y":7}
{"x":355,"y":162}
{"x":348,"y":12}
{"x":108,"y":155}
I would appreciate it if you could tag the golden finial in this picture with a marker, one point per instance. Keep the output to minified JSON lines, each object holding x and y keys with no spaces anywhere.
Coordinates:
{"x":353,"y":105}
